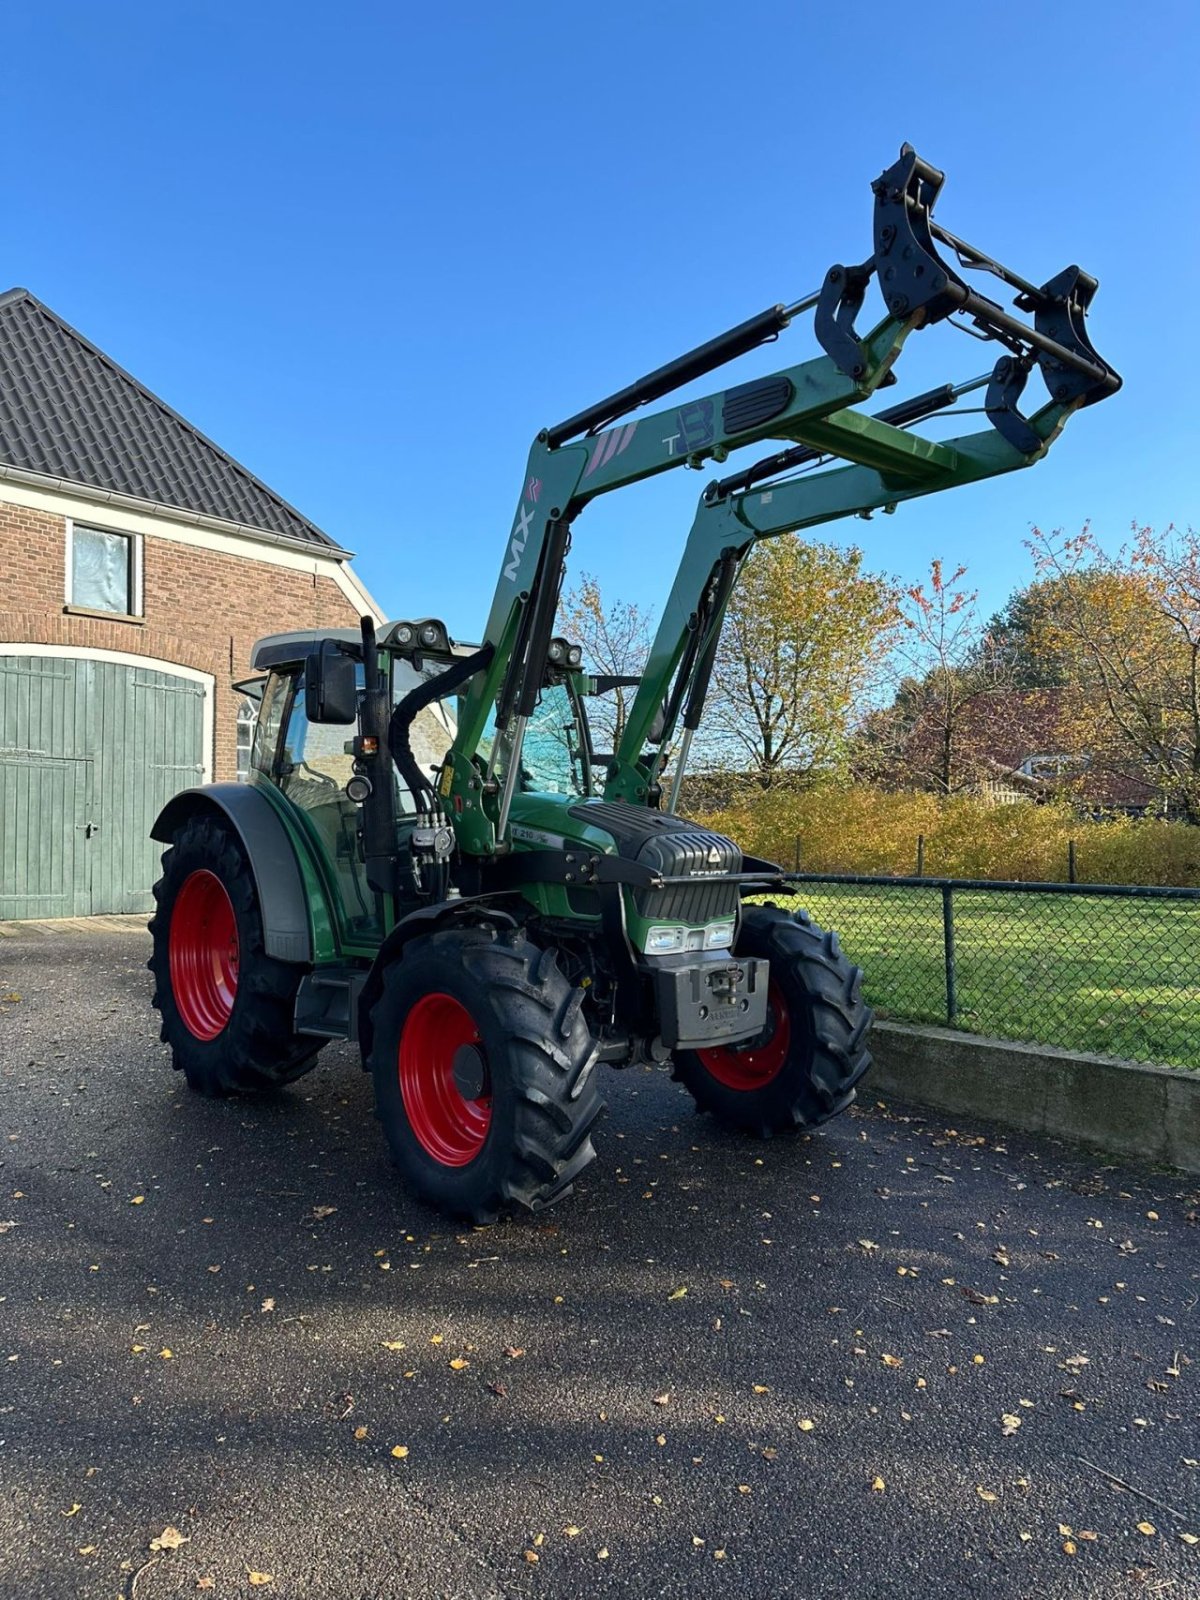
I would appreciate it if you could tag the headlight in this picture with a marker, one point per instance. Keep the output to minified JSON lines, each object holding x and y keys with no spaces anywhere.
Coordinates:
{"x":662,"y":941}
{"x":429,"y":634}
{"x":718,"y":936}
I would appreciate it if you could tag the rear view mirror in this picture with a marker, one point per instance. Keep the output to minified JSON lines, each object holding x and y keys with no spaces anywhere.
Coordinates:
{"x":330,"y":689}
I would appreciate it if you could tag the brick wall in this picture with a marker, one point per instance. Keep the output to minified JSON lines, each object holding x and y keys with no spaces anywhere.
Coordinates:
{"x":203,"y":608}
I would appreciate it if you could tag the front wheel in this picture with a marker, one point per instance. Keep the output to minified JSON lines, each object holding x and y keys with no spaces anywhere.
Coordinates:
{"x":484,"y":1072}
{"x":802,"y":1069}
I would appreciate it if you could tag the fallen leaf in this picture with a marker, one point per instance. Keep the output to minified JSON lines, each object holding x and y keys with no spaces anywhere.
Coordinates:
{"x":399,"y":1451}
{"x":436,"y":1338}
{"x":206,"y":1583}
{"x":718,"y":1555}
{"x":602,"y":1554}
{"x":868,"y":1245}
{"x":269,"y":1303}
{"x":1147,"y":1528}
{"x":892,"y":1361}
{"x":169,"y":1539}
{"x":806,"y":1424}
{"x":1076,"y":1361}
{"x":571,"y":1531}
{"x":677,"y":1294}
{"x":531,"y":1556}
{"x":394,"y":1344}
{"x":459,"y":1362}
{"x":260,"y":1578}
{"x":86,"y":1550}
{"x":661,"y":1439}
{"x":74,"y":1511}
{"x":1190,"y":1538}
{"x":512,"y":1351}
{"x":697,"y":1540}
{"x":984,"y":1494}
{"x":138,"y":1200}
{"x":360,"y":1432}
{"x":760,"y":1388}
{"x":1009,"y":1424}
{"x":321,"y":1212}
{"x":167,"y":1353}
{"x":878,"y":1485}
{"x":662,"y":1399}
{"x":1069,"y":1547}
{"x":497,"y":1388}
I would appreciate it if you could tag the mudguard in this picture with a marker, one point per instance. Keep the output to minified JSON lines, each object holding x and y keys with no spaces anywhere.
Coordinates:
{"x":287,"y":934}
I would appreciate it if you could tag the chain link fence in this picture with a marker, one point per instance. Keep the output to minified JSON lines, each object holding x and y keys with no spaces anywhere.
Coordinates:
{"x":1106,"y":969}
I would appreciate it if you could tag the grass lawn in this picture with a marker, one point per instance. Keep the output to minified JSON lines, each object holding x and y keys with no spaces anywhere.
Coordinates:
{"x":1106,"y":974}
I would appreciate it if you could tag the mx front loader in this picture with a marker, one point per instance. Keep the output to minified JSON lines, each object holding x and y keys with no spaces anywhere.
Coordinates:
{"x":432,"y":860}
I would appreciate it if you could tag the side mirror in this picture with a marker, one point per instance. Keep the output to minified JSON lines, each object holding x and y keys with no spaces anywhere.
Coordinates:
{"x":330,"y":688}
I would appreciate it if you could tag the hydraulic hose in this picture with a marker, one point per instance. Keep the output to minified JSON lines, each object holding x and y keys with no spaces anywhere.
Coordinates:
{"x":405,"y":714}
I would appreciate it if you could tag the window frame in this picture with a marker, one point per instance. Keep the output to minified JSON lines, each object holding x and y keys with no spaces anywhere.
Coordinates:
{"x":136,"y":571}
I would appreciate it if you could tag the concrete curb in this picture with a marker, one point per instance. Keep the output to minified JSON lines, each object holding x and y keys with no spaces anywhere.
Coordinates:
{"x":1151,"y":1113}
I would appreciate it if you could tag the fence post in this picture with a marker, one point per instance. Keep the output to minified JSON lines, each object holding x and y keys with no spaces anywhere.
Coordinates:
{"x":920,"y":855}
{"x":1070,"y":861}
{"x":948,"y":942}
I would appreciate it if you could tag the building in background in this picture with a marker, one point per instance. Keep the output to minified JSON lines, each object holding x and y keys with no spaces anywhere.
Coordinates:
{"x":140,"y":563}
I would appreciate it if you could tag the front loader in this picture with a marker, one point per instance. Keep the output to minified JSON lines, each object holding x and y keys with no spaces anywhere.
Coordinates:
{"x":431,"y":858}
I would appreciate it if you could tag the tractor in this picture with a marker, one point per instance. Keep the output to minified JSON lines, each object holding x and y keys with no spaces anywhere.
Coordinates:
{"x":432,"y":860}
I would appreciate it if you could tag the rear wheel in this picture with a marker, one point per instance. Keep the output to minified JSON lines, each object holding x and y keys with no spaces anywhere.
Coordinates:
{"x":227,"y":1007}
{"x":802,"y":1068}
{"x":484,"y":1073}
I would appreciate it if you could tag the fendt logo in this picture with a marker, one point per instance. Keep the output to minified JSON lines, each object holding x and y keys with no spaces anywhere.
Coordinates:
{"x":520,"y":538}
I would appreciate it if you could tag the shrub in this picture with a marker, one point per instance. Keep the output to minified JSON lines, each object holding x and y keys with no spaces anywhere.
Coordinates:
{"x":874,"y":831}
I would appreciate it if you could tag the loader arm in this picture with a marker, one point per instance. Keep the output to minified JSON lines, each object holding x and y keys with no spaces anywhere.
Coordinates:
{"x":812,"y":407}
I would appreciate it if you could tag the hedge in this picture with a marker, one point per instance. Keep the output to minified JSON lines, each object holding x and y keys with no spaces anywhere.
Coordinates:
{"x":861,"y":829}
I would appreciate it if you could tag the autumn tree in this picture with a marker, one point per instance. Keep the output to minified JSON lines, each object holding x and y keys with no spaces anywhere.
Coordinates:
{"x":1129,"y":625}
{"x":954,"y":701}
{"x":801,"y":650}
{"x":615,"y":636}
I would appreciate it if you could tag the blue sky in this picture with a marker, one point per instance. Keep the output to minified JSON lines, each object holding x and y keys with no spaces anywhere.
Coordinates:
{"x":371,"y":249}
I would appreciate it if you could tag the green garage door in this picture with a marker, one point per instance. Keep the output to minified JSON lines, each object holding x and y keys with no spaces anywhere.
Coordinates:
{"x":89,"y":753}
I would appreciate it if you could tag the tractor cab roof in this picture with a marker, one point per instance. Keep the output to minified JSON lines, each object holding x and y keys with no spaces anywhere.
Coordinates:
{"x":290,"y":649}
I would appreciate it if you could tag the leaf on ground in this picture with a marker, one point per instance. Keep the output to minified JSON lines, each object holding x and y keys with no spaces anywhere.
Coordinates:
{"x":868,"y":1245}
{"x":1190,"y":1538}
{"x":459,"y":1362}
{"x":399,"y":1451}
{"x":678,"y":1294}
{"x":977,"y":1299}
{"x":206,"y":1583}
{"x":760,"y":1388}
{"x":360,"y":1432}
{"x":76,"y":1508}
{"x":498,"y":1388}
{"x":1077,"y":1361}
{"x":169,"y":1539}
{"x":878,"y":1485}
{"x":321,"y":1212}
{"x":984,"y":1494}
{"x":436,"y":1338}
{"x":806,"y":1424}
{"x":138,"y":1200}
{"x":663,"y":1399}
{"x":1070,"y":1548}
{"x":512,"y":1351}
{"x":260,"y":1578}
{"x":167,"y":1353}
{"x":892,"y":1361}
{"x":1147,"y":1528}
{"x":1009,"y":1424}
{"x":393,"y":1344}
{"x":269,"y":1303}
{"x":571,"y":1531}
{"x":532,"y":1557}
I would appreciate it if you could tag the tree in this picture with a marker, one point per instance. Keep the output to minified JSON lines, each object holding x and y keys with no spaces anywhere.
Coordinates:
{"x":955,"y":702}
{"x":1129,"y":625}
{"x":804,"y":637}
{"x":616,"y":641}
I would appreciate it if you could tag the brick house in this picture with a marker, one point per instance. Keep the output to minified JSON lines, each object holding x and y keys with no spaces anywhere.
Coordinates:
{"x":140,"y":563}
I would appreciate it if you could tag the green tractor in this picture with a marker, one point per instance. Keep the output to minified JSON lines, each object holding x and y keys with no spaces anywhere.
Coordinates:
{"x":431,"y":858}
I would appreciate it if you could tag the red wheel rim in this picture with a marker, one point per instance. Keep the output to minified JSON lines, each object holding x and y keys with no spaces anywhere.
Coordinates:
{"x":203,"y":952}
{"x":451,"y":1125}
{"x":754,"y":1065}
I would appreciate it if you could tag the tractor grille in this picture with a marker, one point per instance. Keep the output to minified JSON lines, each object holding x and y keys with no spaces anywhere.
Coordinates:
{"x":676,"y":848}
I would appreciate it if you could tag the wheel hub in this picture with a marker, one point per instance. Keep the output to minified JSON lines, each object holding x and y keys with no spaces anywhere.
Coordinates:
{"x":203,"y":954}
{"x":445,"y":1081}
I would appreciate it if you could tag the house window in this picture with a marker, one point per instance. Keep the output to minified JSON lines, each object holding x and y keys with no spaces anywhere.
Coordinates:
{"x":104,"y":570}
{"x":247,"y":717}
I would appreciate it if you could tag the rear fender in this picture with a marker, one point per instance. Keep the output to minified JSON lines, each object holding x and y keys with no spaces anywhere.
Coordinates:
{"x":278,"y":879}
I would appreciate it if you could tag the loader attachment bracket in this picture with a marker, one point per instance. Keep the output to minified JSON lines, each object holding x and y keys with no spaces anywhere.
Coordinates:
{"x":919,"y":286}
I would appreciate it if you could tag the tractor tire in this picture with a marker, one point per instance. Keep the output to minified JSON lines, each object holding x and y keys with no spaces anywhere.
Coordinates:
{"x":802,"y":1069}
{"x":484,"y":1073}
{"x":227,"y":1007}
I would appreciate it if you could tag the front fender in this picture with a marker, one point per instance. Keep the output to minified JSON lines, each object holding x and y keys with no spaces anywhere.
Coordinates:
{"x":287,"y":927}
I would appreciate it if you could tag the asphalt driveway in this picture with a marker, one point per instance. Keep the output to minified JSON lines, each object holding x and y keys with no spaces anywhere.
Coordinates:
{"x":891,"y":1359}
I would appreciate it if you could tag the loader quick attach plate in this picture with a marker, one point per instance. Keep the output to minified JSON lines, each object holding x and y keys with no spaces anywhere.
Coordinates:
{"x":714,"y":1001}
